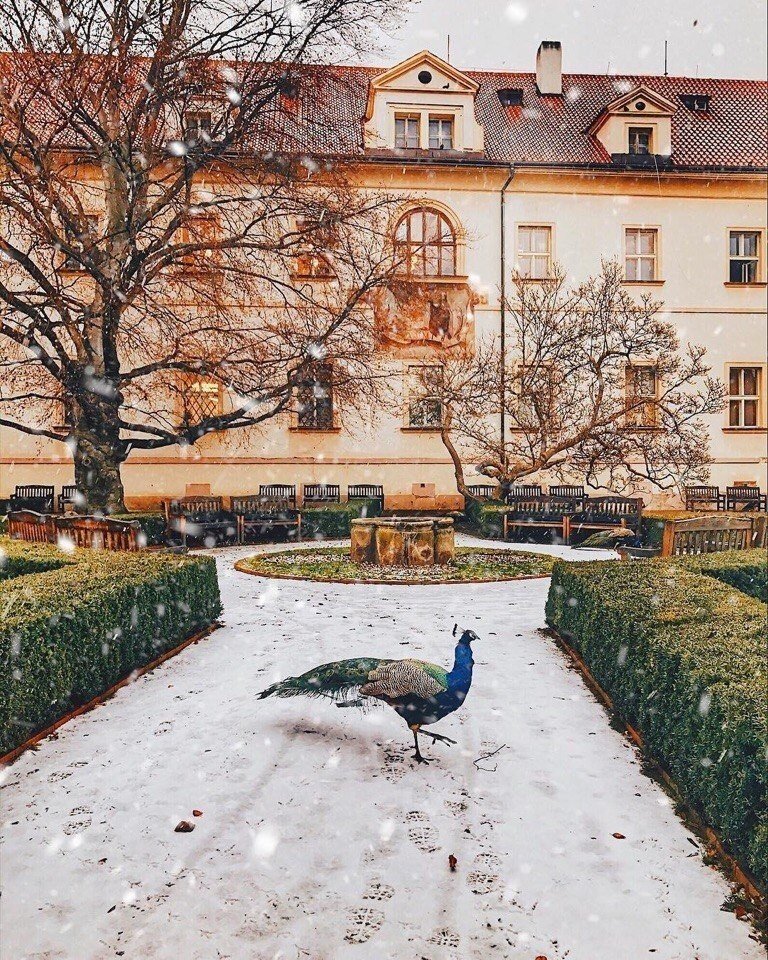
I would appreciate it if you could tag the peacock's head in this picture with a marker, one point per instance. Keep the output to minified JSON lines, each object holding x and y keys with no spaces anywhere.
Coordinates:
{"x":467,"y":637}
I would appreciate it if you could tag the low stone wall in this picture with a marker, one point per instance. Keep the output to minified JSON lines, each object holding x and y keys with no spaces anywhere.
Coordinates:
{"x":389,"y":542}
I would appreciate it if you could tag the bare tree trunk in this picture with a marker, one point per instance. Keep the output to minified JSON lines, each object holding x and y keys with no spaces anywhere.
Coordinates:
{"x":458,"y":469}
{"x":98,"y":454}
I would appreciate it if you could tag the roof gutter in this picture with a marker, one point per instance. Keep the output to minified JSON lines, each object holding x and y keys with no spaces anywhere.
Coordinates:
{"x":503,"y":313}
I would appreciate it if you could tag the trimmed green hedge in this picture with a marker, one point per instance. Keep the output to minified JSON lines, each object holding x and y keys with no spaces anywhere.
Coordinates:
{"x":334,"y":520}
{"x":18,"y":558}
{"x":486,"y":517}
{"x":683,"y":658}
{"x":746,"y":570}
{"x":68,"y":634}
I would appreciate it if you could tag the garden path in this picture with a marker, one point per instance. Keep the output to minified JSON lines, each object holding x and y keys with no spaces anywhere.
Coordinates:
{"x":319,"y":837}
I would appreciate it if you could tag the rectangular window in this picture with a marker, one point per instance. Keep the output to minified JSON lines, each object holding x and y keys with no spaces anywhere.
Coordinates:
{"x":314,"y":398}
{"x":197,"y":126}
{"x":201,"y":229}
{"x":201,"y":399}
{"x":744,"y":256}
{"x":84,"y":241}
{"x":640,"y":141}
{"x":744,"y":389}
{"x":312,"y":261}
{"x":440,"y":133}
{"x":642,"y":393}
{"x":425,"y":408}
{"x":641,"y":254}
{"x":407,"y":132}
{"x":534,"y":252}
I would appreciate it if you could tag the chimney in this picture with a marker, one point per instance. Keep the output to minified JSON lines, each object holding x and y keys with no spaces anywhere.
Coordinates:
{"x":549,"y":68}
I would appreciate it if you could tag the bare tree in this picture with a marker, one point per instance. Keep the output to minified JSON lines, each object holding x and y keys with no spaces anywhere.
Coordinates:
{"x":595,"y":388}
{"x":165,"y":223}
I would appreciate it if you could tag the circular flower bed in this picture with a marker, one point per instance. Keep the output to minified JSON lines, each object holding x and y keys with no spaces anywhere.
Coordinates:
{"x":472,"y":565}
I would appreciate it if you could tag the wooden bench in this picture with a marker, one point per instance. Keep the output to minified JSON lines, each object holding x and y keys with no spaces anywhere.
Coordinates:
{"x":703,"y":497}
{"x":201,"y":518}
{"x":705,"y":535}
{"x":68,"y":498}
{"x":607,"y":513}
{"x":38,"y":499}
{"x":101,"y":533}
{"x":542,"y":513}
{"x":31,"y":526}
{"x":366,"y":491}
{"x":568,"y":492}
{"x":320,"y":493}
{"x":524,"y":491}
{"x":745,"y":499}
{"x":279,"y":491}
{"x":484,"y":491}
{"x":258,"y":515}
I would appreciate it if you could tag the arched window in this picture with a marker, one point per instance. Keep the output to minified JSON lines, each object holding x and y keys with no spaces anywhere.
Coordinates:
{"x":425,"y":244}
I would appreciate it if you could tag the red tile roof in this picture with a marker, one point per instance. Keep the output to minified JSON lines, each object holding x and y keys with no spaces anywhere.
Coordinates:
{"x":553,"y":130}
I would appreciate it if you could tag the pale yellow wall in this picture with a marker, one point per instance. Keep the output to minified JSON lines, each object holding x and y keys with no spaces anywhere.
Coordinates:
{"x":588,"y":213}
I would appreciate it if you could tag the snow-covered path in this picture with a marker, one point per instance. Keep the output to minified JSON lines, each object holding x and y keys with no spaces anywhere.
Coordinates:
{"x":320,"y":838}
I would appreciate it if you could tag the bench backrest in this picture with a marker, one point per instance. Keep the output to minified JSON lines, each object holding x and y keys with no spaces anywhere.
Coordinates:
{"x":178,"y":508}
{"x":30,"y":526}
{"x":34,"y":497}
{"x":100,"y":533}
{"x":610,"y":510}
{"x":286,"y":491}
{"x":365,"y":491}
{"x":549,"y":507}
{"x":524,"y":490}
{"x":705,"y":535}
{"x":484,"y":490}
{"x":702,"y":492}
{"x":568,"y":490}
{"x":254,"y":503}
{"x":322,"y":492}
{"x":744,"y":493}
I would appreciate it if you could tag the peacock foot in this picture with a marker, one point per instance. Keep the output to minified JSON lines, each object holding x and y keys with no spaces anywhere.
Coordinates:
{"x":436,"y":737}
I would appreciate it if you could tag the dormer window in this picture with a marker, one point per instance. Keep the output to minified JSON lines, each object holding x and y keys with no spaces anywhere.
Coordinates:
{"x":697,"y":102}
{"x":440,"y":133}
{"x":640,"y":141}
{"x":407,"y":132}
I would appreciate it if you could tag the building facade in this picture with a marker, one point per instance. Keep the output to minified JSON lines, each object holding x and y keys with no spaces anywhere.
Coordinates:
{"x":510,"y":172}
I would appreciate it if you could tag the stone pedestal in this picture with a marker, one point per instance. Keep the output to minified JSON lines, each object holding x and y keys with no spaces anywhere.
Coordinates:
{"x":393,"y":542}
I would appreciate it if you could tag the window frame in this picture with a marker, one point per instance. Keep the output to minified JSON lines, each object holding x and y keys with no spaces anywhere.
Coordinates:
{"x":519,"y":253}
{"x":440,"y":119}
{"x":759,"y":397}
{"x":418,"y":250}
{"x":646,"y":127}
{"x":655,"y":257}
{"x":192,"y":383}
{"x":759,"y":278}
{"x":318,"y":424}
{"x":419,"y":396}
{"x":637,"y":418}
{"x":408,"y":117}
{"x":207,"y":135}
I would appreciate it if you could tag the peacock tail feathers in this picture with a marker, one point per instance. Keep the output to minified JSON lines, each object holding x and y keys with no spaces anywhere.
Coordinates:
{"x":335,"y":680}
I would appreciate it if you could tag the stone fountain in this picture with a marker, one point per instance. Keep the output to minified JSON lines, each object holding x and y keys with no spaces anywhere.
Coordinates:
{"x":403,"y":542}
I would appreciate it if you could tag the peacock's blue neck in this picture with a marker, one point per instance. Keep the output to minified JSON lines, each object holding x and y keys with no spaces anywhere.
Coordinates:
{"x":460,"y":677}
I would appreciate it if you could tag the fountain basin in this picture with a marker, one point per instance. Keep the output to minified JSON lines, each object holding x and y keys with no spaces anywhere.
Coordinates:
{"x":403,"y":542}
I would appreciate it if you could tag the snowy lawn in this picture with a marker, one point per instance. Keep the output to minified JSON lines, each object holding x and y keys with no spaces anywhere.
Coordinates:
{"x":319,"y":837}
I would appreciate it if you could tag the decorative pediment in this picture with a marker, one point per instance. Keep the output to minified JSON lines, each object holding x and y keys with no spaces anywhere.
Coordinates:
{"x":424,"y":71}
{"x":637,"y":103}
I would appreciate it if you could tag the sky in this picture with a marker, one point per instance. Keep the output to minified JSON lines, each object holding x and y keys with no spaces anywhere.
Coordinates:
{"x":707,"y":38}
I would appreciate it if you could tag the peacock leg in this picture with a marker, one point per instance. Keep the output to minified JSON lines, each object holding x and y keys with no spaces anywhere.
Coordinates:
{"x":417,"y":755}
{"x":437,"y":736}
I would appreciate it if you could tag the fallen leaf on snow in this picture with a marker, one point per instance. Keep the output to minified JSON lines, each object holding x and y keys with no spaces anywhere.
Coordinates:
{"x":452,"y":861}
{"x":197,"y":813}
{"x":184,"y":826}
{"x":619,"y":836}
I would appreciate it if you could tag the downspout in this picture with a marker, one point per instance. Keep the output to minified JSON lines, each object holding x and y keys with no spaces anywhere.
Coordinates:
{"x":503,"y":317}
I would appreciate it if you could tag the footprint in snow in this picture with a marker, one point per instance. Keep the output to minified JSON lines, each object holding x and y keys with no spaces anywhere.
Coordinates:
{"x":378,"y":891}
{"x":363,"y":923}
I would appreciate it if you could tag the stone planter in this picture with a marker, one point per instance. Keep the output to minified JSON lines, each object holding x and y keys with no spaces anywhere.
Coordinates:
{"x":393,"y":542}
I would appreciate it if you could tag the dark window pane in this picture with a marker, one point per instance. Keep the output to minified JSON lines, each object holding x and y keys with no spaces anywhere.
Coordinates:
{"x":750,"y":413}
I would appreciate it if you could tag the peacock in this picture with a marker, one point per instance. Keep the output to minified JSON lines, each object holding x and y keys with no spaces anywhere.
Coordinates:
{"x":421,"y":693}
